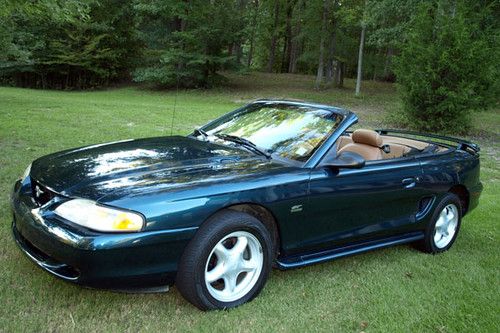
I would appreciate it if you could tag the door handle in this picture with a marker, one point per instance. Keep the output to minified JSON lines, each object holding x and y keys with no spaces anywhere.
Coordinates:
{"x":409,"y":182}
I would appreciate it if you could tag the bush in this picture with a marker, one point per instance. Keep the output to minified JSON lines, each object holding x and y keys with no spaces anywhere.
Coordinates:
{"x":448,"y":66}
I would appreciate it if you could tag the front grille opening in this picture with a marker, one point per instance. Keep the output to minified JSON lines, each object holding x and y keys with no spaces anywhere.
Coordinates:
{"x":47,"y":262}
{"x":40,"y":193}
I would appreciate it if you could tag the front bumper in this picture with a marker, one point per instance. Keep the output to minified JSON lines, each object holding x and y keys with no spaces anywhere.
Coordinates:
{"x":113,"y":261}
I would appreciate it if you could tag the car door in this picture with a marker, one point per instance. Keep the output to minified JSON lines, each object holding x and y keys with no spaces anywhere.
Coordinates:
{"x":349,"y":205}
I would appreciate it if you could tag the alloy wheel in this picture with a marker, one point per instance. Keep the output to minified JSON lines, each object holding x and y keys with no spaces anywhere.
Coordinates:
{"x":446,"y":226}
{"x":234,"y":266}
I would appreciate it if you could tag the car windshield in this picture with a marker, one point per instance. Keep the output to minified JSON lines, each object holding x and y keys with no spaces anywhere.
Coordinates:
{"x":290,"y":131}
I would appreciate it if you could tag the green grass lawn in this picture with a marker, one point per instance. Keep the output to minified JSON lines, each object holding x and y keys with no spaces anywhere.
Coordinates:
{"x":392,"y":290}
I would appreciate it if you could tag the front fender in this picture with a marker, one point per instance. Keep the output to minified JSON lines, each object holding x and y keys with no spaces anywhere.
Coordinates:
{"x":190,"y":207}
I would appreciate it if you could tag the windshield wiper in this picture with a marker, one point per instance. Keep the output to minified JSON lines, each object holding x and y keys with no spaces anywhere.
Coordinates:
{"x":199,"y":131}
{"x":244,"y":142}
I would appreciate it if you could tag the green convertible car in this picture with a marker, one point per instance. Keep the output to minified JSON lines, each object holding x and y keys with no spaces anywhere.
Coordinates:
{"x":274,"y":183}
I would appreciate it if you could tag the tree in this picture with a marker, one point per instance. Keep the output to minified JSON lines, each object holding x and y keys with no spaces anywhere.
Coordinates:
{"x":187,"y":41}
{"x":389,"y":22}
{"x":254,"y":14}
{"x":349,"y":16}
{"x":295,"y":36}
{"x":448,"y":66}
{"x":274,"y":36}
{"x":69,"y":44}
{"x":360,"y":58}
{"x":333,"y":67}
{"x":323,"y":33}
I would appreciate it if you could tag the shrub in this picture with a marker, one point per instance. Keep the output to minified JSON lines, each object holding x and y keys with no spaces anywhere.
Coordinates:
{"x":448,"y":66}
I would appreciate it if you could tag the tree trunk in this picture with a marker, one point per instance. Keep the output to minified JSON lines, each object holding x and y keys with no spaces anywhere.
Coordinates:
{"x":237,"y":49}
{"x":292,"y":65}
{"x":252,"y":35}
{"x":283,"y":56}
{"x":180,"y":25}
{"x":274,"y":38}
{"x":341,"y":73}
{"x":332,"y":63}
{"x":295,"y":42}
{"x":360,"y":59}
{"x":287,"y":49}
{"x":387,"y":65}
{"x":321,"y":60}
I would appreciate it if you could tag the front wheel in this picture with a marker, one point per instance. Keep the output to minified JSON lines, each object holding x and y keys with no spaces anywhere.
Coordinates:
{"x":444,"y":226}
{"x":227,"y":262}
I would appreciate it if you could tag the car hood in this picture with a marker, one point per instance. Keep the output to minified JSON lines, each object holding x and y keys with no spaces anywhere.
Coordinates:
{"x":127,"y":167}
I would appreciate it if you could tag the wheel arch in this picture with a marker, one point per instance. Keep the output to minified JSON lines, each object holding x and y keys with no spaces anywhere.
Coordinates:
{"x":463,"y":194}
{"x":261,"y":213}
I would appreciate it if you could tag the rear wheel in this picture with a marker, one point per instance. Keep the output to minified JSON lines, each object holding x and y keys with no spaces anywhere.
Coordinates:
{"x":227,"y":262}
{"x":444,"y":226}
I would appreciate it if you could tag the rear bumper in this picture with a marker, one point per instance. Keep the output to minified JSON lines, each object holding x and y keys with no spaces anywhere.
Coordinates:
{"x":112,"y":261}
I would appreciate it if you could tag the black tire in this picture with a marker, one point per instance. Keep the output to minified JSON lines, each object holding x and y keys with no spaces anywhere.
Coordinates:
{"x":428,"y":244}
{"x":190,"y":280}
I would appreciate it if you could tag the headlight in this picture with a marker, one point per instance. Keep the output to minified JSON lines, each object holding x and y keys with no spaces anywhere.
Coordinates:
{"x":26,"y":173}
{"x":88,"y":214}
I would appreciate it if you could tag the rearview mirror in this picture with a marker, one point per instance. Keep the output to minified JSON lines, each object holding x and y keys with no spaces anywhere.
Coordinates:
{"x":347,"y":160}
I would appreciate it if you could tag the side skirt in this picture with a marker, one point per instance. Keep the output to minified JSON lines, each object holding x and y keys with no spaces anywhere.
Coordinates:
{"x":322,"y":256}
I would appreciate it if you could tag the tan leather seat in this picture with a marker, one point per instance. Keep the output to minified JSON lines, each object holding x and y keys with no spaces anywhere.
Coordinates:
{"x":366,"y":143}
{"x":395,"y":151}
{"x":343,"y":141}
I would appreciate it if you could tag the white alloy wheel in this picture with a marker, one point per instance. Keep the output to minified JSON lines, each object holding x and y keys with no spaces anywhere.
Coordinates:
{"x":234,"y":266}
{"x":446,"y":226}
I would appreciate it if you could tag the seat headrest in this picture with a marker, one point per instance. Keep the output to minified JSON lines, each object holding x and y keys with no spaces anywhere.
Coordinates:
{"x":367,"y":137}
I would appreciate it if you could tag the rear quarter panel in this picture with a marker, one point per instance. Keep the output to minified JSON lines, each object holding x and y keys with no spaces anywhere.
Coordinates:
{"x":444,"y":170}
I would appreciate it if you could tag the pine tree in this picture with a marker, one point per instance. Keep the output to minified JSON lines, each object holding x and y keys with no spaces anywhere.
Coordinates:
{"x":448,"y":66}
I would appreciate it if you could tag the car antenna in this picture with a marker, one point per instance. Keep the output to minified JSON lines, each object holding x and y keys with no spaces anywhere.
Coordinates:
{"x":175,"y":102}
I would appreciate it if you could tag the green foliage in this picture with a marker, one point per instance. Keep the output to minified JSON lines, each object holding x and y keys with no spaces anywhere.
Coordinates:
{"x":187,"y":41}
{"x":68,"y":44}
{"x":389,"y":20}
{"x":448,"y":67}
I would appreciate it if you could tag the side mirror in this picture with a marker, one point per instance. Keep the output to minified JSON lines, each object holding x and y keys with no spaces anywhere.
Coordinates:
{"x":347,"y":160}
